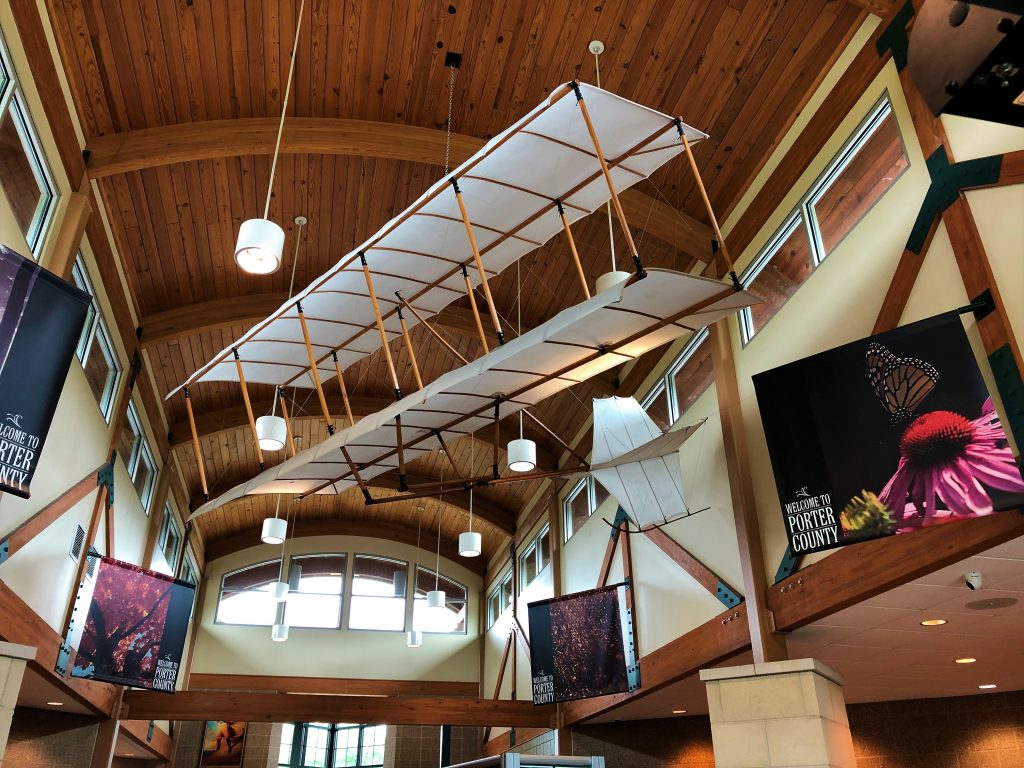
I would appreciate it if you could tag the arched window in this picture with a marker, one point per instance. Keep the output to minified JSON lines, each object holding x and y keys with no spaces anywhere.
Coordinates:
{"x":450,"y":620}
{"x":245,"y":595}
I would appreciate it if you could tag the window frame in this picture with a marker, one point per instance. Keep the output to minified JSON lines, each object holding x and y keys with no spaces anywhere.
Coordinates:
{"x":343,"y":596}
{"x":499,"y":592}
{"x":567,"y":500}
{"x":298,"y":745}
{"x":804,"y":209}
{"x":96,"y":332}
{"x":220,"y":593}
{"x":168,"y":524}
{"x":13,"y":101}
{"x":141,"y":453}
{"x":352,"y":595}
{"x":447,"y":599}
{"x":535,"y":550}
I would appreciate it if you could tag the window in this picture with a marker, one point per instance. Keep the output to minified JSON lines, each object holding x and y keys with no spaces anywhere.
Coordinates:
{"x":245,"y":595}
{"x":379,"y":587}
{"x":322,"y":745}
{"x":133,"y":448}
{"x":657,"y":406}
{"x":865,"y":168}
{"x":452,"y":618}
{"x":500,"y":599}
{"x":317,"y":583}
{"x":24,"y":174}
{"x":95,"y":350}
{"x":581,"y":502}
{"x":691,"y":373}
{"x":170,"y":536}
{"x":189,"y":572}
{"x":535,"y":558}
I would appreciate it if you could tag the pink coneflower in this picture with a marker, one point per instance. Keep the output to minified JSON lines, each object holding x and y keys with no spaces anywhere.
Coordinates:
{"x":946,"y":457}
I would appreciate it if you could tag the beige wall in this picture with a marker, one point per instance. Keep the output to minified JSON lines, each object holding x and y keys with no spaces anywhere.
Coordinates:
{"x":336,"y":653}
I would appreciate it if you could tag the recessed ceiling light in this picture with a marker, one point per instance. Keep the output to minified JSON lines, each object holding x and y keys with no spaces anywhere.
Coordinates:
{"x":933,"y":622}
{"x":678,"y":711}
{"x":966,"y":660}
{"x":55,"y":703}
{"x":987,"y":686}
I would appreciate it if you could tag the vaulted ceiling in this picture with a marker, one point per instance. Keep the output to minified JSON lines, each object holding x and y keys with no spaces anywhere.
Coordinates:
{"x":178,"y":101}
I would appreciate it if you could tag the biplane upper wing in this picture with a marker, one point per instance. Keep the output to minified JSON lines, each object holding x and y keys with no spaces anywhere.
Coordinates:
{"x":509,"y":188}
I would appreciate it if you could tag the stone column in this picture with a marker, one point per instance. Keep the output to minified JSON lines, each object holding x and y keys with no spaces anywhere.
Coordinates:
{"x":778,"y":714}
{"x":12,"y":670}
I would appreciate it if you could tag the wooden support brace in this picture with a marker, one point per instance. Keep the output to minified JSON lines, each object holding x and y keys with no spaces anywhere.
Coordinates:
{"x":572,"y":249}
{"x":355,"y":473}
{"x":434,"y":333}
{"x":200,"y":463}
{"x":314,"y":371}
{"x":380,"y":326}
{"x":559,"y":440}
{"x":479,"y":262}
{"x":619,"y":213}
{"x":248,"y":409}
{"x":287,"y":425}
{"x":703,"y":575}
{"x":83,"y":561}
{"x":475,"y":309}
{"x":344,"y":390}
{"x":409,"y":348}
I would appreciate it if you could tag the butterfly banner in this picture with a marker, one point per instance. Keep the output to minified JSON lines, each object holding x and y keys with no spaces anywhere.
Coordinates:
{"x":41,"y":318}
{"x":884,"y":436}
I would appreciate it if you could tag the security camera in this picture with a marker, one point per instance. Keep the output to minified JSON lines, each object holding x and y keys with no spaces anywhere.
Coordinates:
{"x":973,"y":579}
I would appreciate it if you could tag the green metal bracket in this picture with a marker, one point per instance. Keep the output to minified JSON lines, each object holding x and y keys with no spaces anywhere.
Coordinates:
{"x":621,"y":517}
{"x":726,"y":595}
{"x":894,"y":38}
{"x":948,"y":179}
{"x":1011,"y":390}
{"x":106,"y":477}
{"x":790,"y":563}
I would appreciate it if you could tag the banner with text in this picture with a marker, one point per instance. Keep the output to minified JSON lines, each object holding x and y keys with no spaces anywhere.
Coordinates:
{"x":885,"y":435}
{"x":134,"y":630}
{"x":41,"y":319}
{"x":580,"y":646}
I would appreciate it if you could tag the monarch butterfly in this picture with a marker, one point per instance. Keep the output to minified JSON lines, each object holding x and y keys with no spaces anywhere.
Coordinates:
{"x":901,"y":383}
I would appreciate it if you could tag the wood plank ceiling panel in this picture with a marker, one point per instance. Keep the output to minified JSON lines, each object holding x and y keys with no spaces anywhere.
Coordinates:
{"x":741,"y":70}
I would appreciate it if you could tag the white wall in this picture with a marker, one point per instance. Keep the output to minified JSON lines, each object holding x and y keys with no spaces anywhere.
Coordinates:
{"x":343,"y":653}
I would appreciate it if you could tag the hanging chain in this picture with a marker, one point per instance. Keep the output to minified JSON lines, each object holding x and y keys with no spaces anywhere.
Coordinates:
{"x":448,"y":137}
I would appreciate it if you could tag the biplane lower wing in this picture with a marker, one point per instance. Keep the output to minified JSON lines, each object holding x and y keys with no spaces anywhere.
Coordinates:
{"x":580,"y":342}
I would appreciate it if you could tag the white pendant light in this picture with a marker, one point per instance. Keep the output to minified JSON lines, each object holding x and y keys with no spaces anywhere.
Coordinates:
{"x":260,"y":243}
{"x":522,"y":455}
{"x":272,"y":432}
{"x":413,"y":638}
{"x":260,"y":246}
{"x":275,"y":529}
{"x":279,"y":591}
{"x":279,"y":633}
{"x":470,"y":542}
{"x":612,"y":279}
{"x":435,"y":598}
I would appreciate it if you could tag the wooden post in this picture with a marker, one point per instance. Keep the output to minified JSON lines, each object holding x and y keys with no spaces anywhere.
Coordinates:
{"x":83,"y":560}
{"x":478,"y":261}
{"x":707,"y":201}
{"x":313,"y":371}
{"x":248,"y":408}
{"x":572,"y":249}
{"x":627,"y":573}
{"x":69,"y":236}
{"x":380,"y":325}
{"x":434,"y":333}
{"x":608,"y":180}
{"x":344,"y":390}
{"x":195,"y":444}
{"x":476,"y":311}
{"x":287,"y":425}
{"x":106,"y":740}
{"x":766,"y":645}
{"x":409,"y":348}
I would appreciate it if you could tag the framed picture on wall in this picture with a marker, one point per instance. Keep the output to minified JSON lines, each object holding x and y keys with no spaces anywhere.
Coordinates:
{"x":223,"y":743}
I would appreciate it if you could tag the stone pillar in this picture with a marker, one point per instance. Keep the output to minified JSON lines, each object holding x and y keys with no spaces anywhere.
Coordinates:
{"x":12,"y":670}
{"x":781,"y":713}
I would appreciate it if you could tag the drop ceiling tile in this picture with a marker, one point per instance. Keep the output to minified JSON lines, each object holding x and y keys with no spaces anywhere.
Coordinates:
{"x":913,"y":596}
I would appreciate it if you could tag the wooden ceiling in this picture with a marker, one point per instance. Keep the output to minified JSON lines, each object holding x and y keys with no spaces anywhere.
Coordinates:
{"x":739,"y":69}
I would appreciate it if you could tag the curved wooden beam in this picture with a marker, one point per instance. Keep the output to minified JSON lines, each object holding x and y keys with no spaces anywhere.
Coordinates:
{"x":153,"y":147}
{"x":428,"y":541}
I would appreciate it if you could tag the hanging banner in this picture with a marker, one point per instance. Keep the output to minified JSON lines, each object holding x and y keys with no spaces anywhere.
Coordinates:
{"x":134,"y":629}
{"x":886,"y":435}
{"x":580,"y":646}
{"x":41,"y":318}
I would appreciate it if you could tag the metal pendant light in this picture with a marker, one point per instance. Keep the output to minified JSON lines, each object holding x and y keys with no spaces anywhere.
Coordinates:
{"x":436,"y":596}
{"x":279,"y":633}
{"x":275,"y":528}
{"x":278,"y":589}
{"x":522,"y":452}
{"x":471,"y":542}
{"x":260,"y":243}
{"x":413,"y":638}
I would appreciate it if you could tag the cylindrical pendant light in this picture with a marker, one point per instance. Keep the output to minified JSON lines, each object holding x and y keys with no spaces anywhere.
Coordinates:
{"x":272,"y":432}
{"x":275,"y":529}
{"x":470,"y":542}
{"x":279,"y":591}
{"x":522,"y":453}
{"x":612,"y":279}
{"x":260,"y":241}
{"x":279,"y":633}
{"x":435,"y":598}
{"x":413,"y":638}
